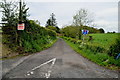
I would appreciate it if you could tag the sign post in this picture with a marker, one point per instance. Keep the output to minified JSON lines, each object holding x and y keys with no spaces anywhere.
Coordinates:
{"x":84,"y":32}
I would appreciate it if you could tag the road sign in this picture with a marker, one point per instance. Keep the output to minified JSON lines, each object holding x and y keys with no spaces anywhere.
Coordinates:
{"x":21,"y":26}
{"x":85,"y":32}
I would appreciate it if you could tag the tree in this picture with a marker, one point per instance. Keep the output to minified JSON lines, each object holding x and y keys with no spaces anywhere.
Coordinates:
{"x":101,"y":30}
{"x":24,"y":11}
{"x":58,"y":29}
{"x":48,"y":23}
{"x":51,"y":21}
{"x":114,"y":32}
{"x":9,"y":15}
{"x":81,"y":18}
{"x":10,"y":18}
{"x":12,"y":15}
{"x":69,"y":31}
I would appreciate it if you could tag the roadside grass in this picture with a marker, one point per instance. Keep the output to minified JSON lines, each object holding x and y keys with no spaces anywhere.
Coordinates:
{"x":50,"y":44}
{"x":102,"y":59}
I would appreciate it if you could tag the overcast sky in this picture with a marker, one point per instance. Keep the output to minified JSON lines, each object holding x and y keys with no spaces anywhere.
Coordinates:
{"x":105,"y":13}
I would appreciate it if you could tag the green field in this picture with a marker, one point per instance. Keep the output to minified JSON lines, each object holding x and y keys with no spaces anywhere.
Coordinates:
{"x":105,"y":40}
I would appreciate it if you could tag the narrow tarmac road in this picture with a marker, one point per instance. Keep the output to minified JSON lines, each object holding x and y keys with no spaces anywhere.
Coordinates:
{"x":59,"y":61}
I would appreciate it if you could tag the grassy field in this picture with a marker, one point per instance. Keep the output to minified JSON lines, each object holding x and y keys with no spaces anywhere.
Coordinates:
{"x":105,"y":40}
{"x":94,"y":49}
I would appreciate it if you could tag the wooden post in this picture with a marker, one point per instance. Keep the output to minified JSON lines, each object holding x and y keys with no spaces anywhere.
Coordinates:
{"x":20,"y":21}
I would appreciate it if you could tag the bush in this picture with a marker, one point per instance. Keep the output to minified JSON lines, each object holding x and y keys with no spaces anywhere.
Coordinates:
{"x":27,"y":46}
{"x":113,"y":62}
{"x":95,"y":47}
{"x":114,"y":49}
{"x":36,"y":47}
{"x":73,"y":40}
{"x":79,"y":41}
{"x":51,"y":33}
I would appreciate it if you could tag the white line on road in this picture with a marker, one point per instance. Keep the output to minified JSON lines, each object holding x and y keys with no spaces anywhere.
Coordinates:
{"x":47,"y":75}
{"x":54,"y":59}
{"x":49,"y":71}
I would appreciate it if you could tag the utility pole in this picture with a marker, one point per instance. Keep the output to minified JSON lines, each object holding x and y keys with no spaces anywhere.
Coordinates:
{"x":20,"y":12}
{"x":20,"y":22}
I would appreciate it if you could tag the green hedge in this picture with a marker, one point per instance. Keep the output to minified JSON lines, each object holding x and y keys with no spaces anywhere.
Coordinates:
{"x":114,"y":49}
{"x":94,"y":47}
{"x":34,"y":38}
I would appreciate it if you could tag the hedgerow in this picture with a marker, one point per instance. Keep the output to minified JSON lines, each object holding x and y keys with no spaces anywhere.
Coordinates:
{"x":35,"y":37}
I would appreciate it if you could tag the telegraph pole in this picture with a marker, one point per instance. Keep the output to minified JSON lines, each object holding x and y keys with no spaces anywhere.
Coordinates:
{"x":20,"y":22}
{"x":20,"y":12}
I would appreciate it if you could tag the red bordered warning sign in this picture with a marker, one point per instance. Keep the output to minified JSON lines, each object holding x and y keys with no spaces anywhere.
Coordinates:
{"x":21,"y":26}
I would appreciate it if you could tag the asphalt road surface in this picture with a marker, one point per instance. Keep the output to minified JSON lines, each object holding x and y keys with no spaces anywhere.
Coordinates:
{"x":59,"y":61}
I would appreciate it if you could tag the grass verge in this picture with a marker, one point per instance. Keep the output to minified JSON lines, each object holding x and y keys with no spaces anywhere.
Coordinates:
{"x":101,"y":59}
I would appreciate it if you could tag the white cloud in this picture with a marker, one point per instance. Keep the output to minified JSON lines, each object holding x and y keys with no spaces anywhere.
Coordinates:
{"x":107,"y":19}
{"x":107,"y":25}
{"x":109,"y":12}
